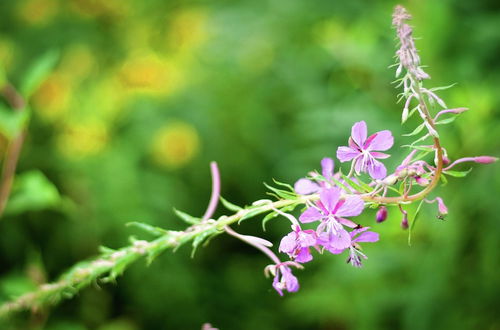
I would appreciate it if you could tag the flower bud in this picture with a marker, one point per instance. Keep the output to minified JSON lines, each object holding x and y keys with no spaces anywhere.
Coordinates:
{"x":442,"y":209}
{"x":485,"y":159}
{"x":404,"y":222}
{"x":381,"y":214}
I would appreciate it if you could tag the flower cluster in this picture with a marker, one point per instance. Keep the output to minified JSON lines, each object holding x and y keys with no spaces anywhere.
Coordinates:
{"x":339,"y":201}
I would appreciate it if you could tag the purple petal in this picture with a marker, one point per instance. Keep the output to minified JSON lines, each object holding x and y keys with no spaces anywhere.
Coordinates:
{"x":334,"y":251}
{"x":306,"y":238}
{"x":345,"y":154}
{"x":291,"y":282}
{"x":381,"y":141}
{"x":277,"y":284}
{"x":304,"y":256}
{"x":353,"y":206}
{"x":376,"y":169}
{"x":329,"y":198}
{"x":288,"y":243}
{"x":305,"y":187}
{"x":379,"y":155}
{"x":359,"y":230}
{"x":358,"y":133}
{"x":310,"y":215}
{"x":341,"y":240}
{"x":359,"y":164}
{"x":347,"y":222}
{"x":327,"y":165}
{"x":367,"y":236}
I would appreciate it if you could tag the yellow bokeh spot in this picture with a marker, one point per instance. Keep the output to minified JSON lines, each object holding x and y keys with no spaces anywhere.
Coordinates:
{"x":37,"y":11}
{"x":187,"y":30}
{"x":81,"y":140}
{"x":150,"y":73}
{"x":52,"y":98}
{"x":175,"y":145}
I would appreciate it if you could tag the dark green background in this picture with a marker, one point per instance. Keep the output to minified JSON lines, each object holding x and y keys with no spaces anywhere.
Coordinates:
{"x":266,"y":88}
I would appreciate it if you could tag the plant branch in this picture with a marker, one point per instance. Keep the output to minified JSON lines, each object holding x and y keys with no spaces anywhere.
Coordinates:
{"x":111,"y":263}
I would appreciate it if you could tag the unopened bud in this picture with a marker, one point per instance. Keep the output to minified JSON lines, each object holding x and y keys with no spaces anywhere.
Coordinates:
{"x":442,"y":209}
{"x":446,"y":160}
{"x":381,"y":214}
{"x":404,"y":222}
{"x":485,"y":159}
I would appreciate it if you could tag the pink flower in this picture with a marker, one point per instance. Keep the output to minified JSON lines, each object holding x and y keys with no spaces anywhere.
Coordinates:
{"x":283,"y":277}
{"x":297,"y":243}
{"x":331,"y":210}
{"x":358,"y":236}
{"x":364,"y":151}
{"x":307,"y":187}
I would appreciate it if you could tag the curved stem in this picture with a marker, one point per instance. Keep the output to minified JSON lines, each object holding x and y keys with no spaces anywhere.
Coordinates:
{"x":214,"y":198}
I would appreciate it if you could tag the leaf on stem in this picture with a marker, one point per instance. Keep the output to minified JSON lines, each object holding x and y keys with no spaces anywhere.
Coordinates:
{"x":187,"y":218}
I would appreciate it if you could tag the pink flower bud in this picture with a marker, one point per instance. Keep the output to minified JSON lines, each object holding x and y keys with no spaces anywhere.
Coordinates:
{"x":485,"y":159}
{"x":442,"y":209}
{"x":381,"y":214}
{"x":404,"y":222}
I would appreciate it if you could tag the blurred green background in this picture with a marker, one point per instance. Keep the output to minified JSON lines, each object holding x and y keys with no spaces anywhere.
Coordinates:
{"x":146,"y":93}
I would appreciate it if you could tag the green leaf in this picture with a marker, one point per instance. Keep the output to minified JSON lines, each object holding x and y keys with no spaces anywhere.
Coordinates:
{"x":457,"y":174}
{"x":414,"y":221}
{"x":444,"y":180}
{"x":200,"y":239}
{"x":38,"y":72}
{"x":32,"y":191}
{"x":416,"y":130}
{"x":155,"y":231}
{"x":422,"y":148}
{"x":230,"y":206}
{"x":12,"y":122}
{"x":251,"y":214}
{"x":281,"y":193}
{"x":286,"y":185}
{"x":357,"y":186}
{"x":446,"y":121}
{"x":268,"y":217}
{"x":441,"y":88}
{"x":187,"y":218}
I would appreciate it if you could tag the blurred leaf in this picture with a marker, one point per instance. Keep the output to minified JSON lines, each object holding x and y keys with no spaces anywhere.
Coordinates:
{"x":38,"y":72}
{"x":12,"y":122}
{"x":457,"y":174}
{"x":14,"y":285}
{"x":32,"y":191}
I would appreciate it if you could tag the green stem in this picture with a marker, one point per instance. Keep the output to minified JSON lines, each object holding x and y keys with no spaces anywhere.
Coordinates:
{"x":112,"y":263}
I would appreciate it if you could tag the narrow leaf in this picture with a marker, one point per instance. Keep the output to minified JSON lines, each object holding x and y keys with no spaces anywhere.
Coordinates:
{"x":457,"y":174}
{"x":187,"y":218}
{"x":416,"y":130}
{"x":230,"y":206}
